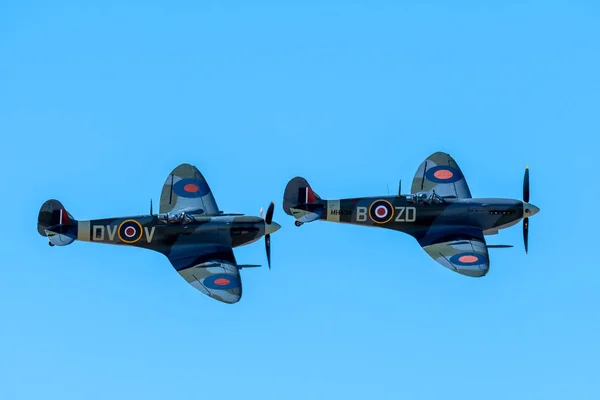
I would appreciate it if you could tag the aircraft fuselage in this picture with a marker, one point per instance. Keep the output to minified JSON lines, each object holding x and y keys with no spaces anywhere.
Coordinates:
{"x":147,"y":231}
{"x":400,"y":214}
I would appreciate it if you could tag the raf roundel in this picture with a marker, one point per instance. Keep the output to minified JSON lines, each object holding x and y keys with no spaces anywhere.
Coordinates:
{"x":221,"y":282}
{"x":130,"y":231}
{"x":468,"y":258}
{"x":191,"y":188}
{"x":443,"y":174}
{"x":381,"y":211}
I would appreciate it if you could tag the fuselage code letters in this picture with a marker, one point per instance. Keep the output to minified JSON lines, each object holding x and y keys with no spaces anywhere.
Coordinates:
{"x":406,"y":214}
{"x":111,"y":230}
{"x":403,"y":214}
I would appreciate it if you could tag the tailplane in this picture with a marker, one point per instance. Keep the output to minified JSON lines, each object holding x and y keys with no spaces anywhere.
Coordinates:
{"x":300,"y":201}
{"x":57,"y":224}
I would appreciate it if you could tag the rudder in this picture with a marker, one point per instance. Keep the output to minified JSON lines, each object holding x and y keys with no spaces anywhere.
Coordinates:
{"x":298,"y":192}
{"x":301,"y":201}
{"x":56,"y":223}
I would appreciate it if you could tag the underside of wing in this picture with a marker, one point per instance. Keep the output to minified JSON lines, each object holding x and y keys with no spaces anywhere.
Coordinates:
{"x":186,"y":190}
{"x":211,"y":269}
{"x":441,"y":173}
{"x":460,"y":249}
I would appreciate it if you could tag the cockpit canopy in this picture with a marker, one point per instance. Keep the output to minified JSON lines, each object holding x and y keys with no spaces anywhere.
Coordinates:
{"x":181,"y":218}
{"x":425,"y":198}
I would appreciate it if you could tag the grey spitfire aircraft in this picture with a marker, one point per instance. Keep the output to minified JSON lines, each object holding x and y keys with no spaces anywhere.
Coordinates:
{"x":439,"y":213}
{"x":196,"y":237}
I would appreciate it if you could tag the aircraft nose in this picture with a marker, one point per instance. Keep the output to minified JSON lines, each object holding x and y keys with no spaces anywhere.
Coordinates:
{"x":272,"y":227}
{"x":529,"y":210}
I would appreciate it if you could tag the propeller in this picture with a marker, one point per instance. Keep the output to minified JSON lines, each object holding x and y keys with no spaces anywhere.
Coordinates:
{"x":526,"y":186}
{"x":268,"y":229}
{"x":526,"y":200}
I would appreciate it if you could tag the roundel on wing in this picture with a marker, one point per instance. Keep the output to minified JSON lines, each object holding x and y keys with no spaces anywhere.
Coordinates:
{"x":443,"y":174}
{"x":468,"y":259}
{"x":191,"y":188}
{"x":381,"y":211}
{"x":221,"y":282}
{"x":130,"y":231}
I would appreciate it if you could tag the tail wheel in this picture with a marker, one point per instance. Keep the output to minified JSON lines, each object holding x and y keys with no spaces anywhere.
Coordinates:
{"x":50,"y":244}
{"x":298,"y":223}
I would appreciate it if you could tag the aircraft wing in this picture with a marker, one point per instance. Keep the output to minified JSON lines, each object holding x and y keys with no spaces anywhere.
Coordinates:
{"x":210,"y":268}
{"x":460,"y":249}
{"x":186,"y":189}
{"x":441,"y":173}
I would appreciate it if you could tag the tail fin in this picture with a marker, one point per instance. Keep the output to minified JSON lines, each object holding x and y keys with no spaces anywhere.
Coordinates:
{"x":300,"y":201}
{"x":55,"y":222}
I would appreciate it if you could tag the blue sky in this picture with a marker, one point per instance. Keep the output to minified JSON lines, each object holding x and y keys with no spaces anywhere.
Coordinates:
{"x":98,"y":102}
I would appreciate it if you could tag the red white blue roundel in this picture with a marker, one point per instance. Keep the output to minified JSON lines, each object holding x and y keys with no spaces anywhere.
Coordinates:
{"x":221,"y":282}
{"x":468,"y":259}
{"x":191,"y":188}
{"x":443,"y":174}
{"x":381,"y":211}
{"x":130,"y":231}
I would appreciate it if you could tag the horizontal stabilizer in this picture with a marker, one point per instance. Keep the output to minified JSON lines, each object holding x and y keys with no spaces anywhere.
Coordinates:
{"x":303,"y":215}
{"x":499,"y":246}
{"x":240,"y":266}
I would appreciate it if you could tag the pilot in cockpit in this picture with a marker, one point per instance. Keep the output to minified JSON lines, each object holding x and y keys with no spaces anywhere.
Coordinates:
{"x":428,"y":198}
{"x":179,"y":218}
{"x":185,"y":218}
{"x":422,"y":198}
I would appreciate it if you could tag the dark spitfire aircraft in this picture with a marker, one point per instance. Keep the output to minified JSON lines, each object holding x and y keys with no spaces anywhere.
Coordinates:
{"x":439,"y":213}
{"x":196,"y":237}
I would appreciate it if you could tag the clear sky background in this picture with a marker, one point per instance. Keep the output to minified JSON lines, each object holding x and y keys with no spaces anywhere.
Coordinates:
{"x":100,"y":101}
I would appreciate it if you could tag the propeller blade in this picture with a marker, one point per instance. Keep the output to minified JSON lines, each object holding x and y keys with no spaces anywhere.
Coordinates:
{"x":526,"y":186}
{"x":270,"y":213}
{"x":268,"y":220}
{"x":268,"y":248}
{"x":526,"y":233}
{"x":262,"y":213}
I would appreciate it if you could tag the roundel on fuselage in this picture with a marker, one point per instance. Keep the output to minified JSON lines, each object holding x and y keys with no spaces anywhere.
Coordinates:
{"x":381,"y":211}
{"x":130,"y":231}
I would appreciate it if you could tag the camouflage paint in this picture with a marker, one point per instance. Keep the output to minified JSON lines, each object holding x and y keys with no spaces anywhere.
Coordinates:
{"x":447,"y":222}
{"x":199,"y":245}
